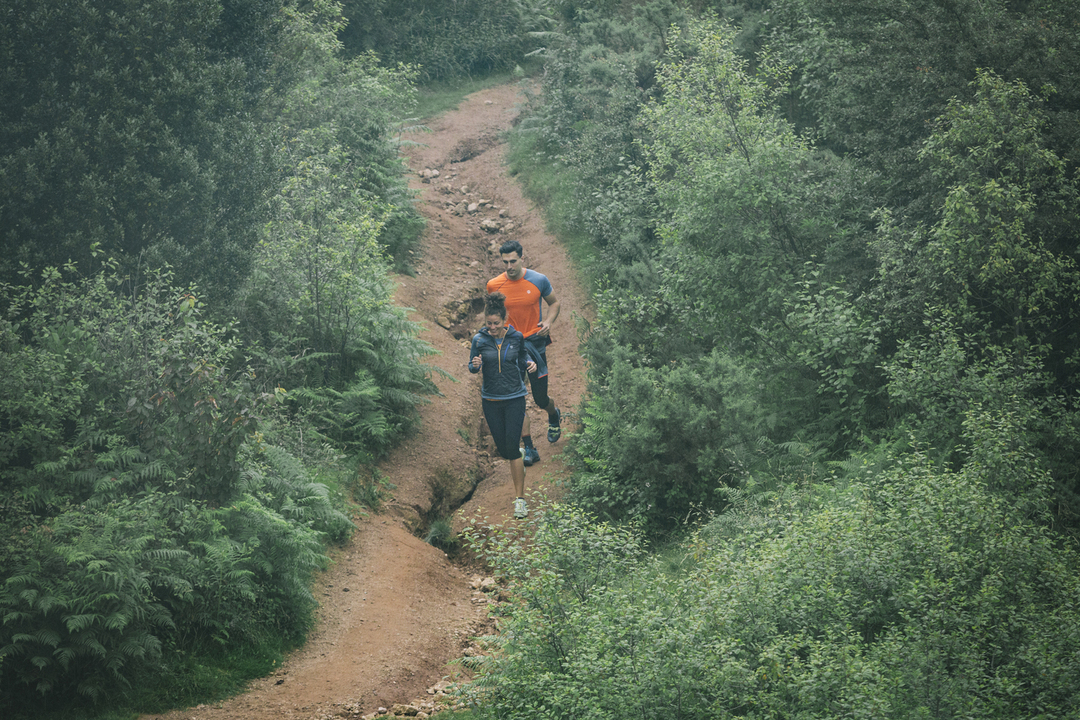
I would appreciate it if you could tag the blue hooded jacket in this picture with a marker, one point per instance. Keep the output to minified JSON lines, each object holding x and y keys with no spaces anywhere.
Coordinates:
{"x":504,"y":364}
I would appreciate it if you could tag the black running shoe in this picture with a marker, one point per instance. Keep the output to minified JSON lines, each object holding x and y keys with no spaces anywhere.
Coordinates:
{"x":531,"y":456}
{"x":555,"y":428}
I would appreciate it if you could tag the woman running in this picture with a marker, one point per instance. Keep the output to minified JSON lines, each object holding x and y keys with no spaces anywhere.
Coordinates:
{"x":499,"y":350}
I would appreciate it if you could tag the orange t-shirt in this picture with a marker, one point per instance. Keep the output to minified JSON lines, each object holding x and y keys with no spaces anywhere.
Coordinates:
{"x":524,"y":299}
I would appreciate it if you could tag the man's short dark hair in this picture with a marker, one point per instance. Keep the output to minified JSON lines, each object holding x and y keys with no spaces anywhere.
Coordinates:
{"x":511,"y":246}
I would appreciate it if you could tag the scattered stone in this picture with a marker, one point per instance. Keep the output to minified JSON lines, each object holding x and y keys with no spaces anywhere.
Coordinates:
{"x":473,"y":207}
{"x":469,"y":148}
{"x":489,"y":225}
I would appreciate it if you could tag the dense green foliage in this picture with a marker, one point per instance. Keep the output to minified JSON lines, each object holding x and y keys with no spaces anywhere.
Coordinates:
{"x":445,"y":39}
{"x":201,"y":207}
{"x":914,"y":592}
{"x":833,"y":247}
{"x":133,"y":127}
{"x":148,"y":128}
{"x":872,"y":75}
{"x":766,"y":238}
{"x":153,"y":517}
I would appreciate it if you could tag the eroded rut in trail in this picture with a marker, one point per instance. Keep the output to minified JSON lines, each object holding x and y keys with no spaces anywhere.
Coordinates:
{"x":393,"y":609}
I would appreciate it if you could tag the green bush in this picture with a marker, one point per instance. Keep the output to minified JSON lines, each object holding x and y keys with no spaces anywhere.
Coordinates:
{"x":145,"y":518}
{"x":317,"y":310}
{"x":143,"y":392}
{"x":600,"y":70}
{"x":319,"y":313}
{"x":657,"y":442}
{"x":133,"y":127}
{"x":80,"y":611}
{"x":149,"y":528}
{"x":871,"y":86}
{"x":337,"y":126}
{"x":446,"y":40}
{"x":717,"y":222}
{"x":922,"y":594}
{"x":108,"y":598}
{"x":916,"y":592}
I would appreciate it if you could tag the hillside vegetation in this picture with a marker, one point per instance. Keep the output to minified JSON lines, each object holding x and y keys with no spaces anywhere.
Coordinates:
{"x":833,"y":382}
{"x":201,"y":205}
{"x":828,"y":466}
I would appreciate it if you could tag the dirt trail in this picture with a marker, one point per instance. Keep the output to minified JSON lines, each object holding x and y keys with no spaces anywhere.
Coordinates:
{"x":393,"y":609}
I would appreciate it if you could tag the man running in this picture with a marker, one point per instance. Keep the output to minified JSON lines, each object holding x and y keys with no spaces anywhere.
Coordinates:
{"x":527,"y":291}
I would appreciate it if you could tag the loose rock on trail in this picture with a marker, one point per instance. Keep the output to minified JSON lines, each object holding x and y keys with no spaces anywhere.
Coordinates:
{"x":394,"y":610}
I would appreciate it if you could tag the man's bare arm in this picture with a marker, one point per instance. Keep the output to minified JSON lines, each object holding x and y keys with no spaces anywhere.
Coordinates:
{"x":552,"y":314}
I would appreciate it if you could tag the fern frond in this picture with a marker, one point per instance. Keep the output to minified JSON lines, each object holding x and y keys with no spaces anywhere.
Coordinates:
{"x":77,"y":623}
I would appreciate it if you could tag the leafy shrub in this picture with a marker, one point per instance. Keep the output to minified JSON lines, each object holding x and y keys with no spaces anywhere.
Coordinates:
{"x":80,"y":610}
{"x":922,"y":593}
{"x":147,"y":523}
{"x":133,"y":127}
{"x":446,"y":40}
{"x":737,"y":184}
{"x":147,"y":391}
{"x":839,"y":351}
{"x":871,"y":87}
{"x":317,"y":310}
{"x":658,"y":441}
{"x":916,"y":592}
{"x":341,"y":117}
{"x":144,"y":517}
{"x":282,"y":483}
{"x":570,"y":557}
{"x":107,"y":597}
{"x":599,"y":72}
